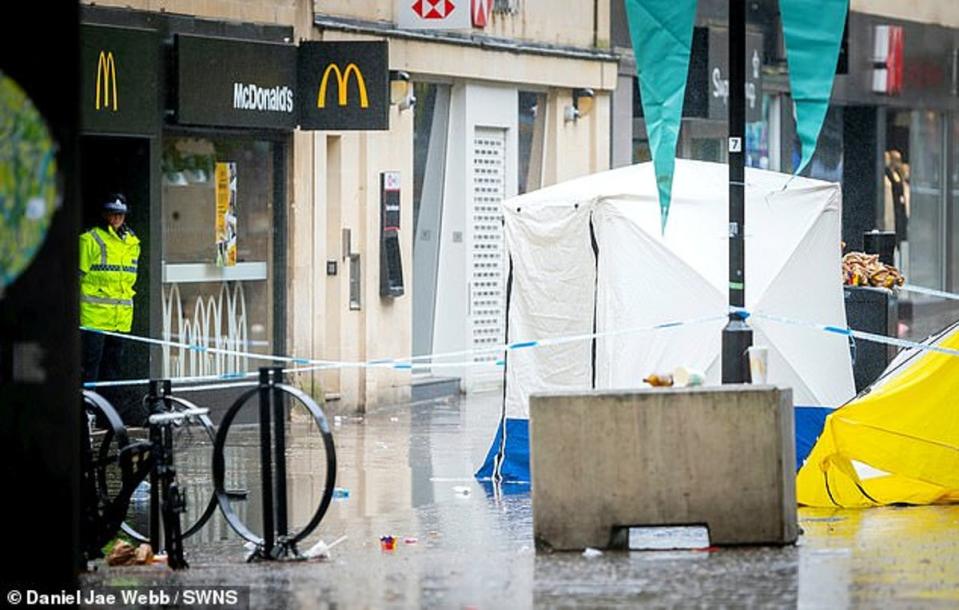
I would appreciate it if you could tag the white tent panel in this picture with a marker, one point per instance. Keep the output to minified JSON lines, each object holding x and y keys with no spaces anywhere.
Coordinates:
{"x":805,"y":290}
{"x":553,"y":278}
{"x":643,"y":283}
{"x":646,"y":277}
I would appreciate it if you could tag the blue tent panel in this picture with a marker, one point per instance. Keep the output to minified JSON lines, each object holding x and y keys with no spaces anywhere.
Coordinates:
{"x":513,"y":454}
{"x":809,"y":424}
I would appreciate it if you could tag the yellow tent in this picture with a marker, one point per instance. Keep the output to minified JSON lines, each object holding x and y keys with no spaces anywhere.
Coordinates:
{"x":896,"y":443}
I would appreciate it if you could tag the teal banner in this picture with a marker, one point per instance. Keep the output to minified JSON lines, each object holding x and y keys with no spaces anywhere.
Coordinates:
{"x":662,"y":34}
{"x":813,"y":30}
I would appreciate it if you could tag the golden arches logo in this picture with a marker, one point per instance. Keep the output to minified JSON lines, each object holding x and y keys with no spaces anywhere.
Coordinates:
{"x":106,"y":80}
{"x":342,"y":83}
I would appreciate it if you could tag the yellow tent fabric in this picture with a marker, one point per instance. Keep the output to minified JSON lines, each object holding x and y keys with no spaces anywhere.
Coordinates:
{"x":906,"y":427}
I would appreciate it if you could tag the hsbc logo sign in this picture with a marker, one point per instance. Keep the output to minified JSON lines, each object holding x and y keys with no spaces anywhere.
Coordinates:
{"x":433,"y":9}
{"x":433,"y":14}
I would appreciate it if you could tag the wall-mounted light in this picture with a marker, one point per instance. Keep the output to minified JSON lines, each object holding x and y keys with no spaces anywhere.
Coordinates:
{"x":582,"y":104}
{"x":401,"y":90}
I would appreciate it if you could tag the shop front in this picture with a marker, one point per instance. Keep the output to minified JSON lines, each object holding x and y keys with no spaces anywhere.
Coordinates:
{"x":705,"y":109}
{"x":898,"y":107}
{"x":192,"y":120}
{"x":223,"y":192}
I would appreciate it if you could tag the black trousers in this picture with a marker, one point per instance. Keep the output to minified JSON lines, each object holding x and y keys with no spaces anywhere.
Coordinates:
{"x":102,"y":361}
{"x":102,"y":355}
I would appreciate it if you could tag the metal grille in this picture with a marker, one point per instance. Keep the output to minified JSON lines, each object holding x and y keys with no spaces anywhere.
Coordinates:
{"x":487,"y":281}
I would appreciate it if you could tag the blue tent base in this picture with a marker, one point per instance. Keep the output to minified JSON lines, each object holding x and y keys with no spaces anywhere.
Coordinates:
{"x":512,"y":456}
{"x":809,"y":424}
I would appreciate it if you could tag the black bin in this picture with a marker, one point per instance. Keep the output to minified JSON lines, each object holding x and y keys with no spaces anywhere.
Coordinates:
{"x":882,"y":243}
{"x":872,"y":310}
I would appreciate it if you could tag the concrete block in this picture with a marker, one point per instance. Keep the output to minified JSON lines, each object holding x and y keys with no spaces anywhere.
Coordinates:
{"x":723,"y":457}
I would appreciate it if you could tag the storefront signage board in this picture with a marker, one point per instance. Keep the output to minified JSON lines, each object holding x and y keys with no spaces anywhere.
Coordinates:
{"x":344,"y":85}
{"x":235,"y":83}
{"x":119,"y":80}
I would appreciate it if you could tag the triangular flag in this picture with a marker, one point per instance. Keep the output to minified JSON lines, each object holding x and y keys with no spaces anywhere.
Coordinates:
{"x":662,"y":34}
{"x":813,"y":32}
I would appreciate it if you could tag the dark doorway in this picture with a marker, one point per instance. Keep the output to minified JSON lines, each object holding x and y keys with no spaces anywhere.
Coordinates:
{"x":111,"y":165}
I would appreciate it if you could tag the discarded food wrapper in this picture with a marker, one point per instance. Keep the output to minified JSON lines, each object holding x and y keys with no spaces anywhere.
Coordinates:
{"x":461,"y":490}
{"x":589,"y":552}
{"x":321,"y":550}
{"x":659,"y":380}
{"x":121,"y":554}
{"x":388,"y":543}
{"x":124,"y":554}
{"x":143,"y":555}
{"x":341,"y":493}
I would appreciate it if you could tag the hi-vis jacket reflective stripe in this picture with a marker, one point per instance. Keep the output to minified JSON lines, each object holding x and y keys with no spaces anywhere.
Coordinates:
{"x":108,"y":270}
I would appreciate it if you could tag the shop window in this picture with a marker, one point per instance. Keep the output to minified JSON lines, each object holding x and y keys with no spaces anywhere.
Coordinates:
{"x":430,"y":133}
{"x":217,"y":211}
{"x":423,"y":119}
{"x":826,"y":162}
{"x":532,"y":136}
{"x":641,"y":150}
{"x":356,"y":280}
{"x":954,"y":231}
{"x":921,"y":169}
{"x":758,"y":138}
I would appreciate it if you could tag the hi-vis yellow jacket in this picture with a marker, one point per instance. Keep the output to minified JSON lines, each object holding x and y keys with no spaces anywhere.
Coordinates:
{"x":108,"y":270}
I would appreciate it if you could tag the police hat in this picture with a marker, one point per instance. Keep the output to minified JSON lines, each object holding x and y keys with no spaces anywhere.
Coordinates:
{"x":115,"y":204}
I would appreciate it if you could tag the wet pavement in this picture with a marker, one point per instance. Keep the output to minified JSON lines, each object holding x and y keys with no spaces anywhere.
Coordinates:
{"x":405,"y":470}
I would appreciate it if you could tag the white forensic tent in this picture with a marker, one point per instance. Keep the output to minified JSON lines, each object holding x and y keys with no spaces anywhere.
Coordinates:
{"x":588,"y":256}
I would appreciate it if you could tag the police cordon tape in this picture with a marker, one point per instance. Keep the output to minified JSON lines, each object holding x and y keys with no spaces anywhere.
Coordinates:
{"x":424,"y":361}
{"x":306,"y":365}
{"x":930,"y":292}
{"x":846,"y":332}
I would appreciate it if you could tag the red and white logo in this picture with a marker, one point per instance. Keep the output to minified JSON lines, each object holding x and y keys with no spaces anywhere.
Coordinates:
{"x":888,"y":59}
{"x":482,"y":9}
{"x":433,"y":9}
{"x":433,"y":14}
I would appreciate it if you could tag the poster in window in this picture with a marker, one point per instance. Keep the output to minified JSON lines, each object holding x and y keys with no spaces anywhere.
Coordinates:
{"x":225,"y":214}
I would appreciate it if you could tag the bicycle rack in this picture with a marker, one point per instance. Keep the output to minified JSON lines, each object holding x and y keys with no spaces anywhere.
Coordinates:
{"x":154,"y":459}
{"x":276,"y":542}
{"x":160,"y":393}
{"x":103,"y":512}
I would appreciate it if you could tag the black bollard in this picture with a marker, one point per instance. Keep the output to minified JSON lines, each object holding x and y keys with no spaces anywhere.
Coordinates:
{"x":266,"y":466}
{"x":279,"y":452}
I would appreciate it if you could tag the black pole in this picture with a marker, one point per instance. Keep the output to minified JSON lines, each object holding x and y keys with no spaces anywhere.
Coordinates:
{"x":737,"y":336}
{"x":266,"y":467}
{"x":279,"y":453}
{"x":155,"y":388}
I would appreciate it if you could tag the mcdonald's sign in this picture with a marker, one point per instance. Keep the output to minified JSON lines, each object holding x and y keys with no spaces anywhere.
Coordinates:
{"x":119,"y":80}
{"x":344,"y":85}
{"x":106,"y":80}
{"x":342,"y":82}
{"x":235,"y":83}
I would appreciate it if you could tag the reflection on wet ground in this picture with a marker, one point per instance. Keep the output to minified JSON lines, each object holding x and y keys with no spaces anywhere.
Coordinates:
{"x":405,"y":469}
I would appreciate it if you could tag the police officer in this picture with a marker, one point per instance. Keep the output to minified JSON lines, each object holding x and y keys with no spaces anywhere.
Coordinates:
{"x":108,"y":270}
